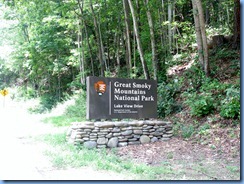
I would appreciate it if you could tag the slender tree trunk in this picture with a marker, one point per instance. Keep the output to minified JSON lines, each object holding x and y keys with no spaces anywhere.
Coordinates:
{"x":169,"y":24}
{"x":201,"y":35}
{"x":81,"y":54}
{"x":98,"y":39}
{"x":198,"y":33}
{"x":237,"y":29}
{"x":204,"y":37}
{"x":81,"y":5}
{"x":139,"y":46}
{"x":153,"y":42}
{"x":90,"y":50}
{"x":128,"y":42}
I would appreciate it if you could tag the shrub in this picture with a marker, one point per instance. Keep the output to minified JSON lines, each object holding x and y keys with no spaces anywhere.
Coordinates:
{"x":79,"y":108}
{"x":166,"y":98}
{"x":187,"y":131}
{"x":230,"y":107}
{"x":200,"y":104}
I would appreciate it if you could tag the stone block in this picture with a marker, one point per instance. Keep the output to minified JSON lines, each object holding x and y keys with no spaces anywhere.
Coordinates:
{"x":144,"y":139}
{"x":113,"y":142}
{"x":102,"y":140}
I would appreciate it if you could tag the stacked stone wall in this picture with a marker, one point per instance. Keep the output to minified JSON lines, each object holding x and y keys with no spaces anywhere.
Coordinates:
{"x":118,"y":134}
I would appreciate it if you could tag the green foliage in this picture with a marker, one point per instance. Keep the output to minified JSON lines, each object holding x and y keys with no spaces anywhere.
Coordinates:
{"x":78,"y":110}
{"x":187,"y":130}
{"x":195,"y":77}
{"x":200,"y":104}
{"x":166,"y":98}
{"x":230,"y":106}
{"x":203,"y":129}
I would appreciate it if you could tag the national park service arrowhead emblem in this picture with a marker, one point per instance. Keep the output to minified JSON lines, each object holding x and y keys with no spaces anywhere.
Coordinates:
{"x":100,"y":87}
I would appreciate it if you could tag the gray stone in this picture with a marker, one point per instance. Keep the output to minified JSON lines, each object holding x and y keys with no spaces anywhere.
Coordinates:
{"x":149,"y":123}
{"x":116,"y":134}
{"x":126,"y":128}
{"x":90,"y":144}
{"x":113,"y":142}
{"x":93,"y":139}
{"x":134,"y":142}
{"x":101,"y":136}
{"x":101,"y":133}
{"x":104,"y":124}
{"x":154,"y":139}
{"x":133,"y":139}
{"x":77,"y":136}
{"x":137,"y":131}
{"x":136,"y":123}
{"x":121,"y":144}
{"x":102,"y":140}
{"x":144,"y":139}
{"x":104,"y":130}
{"x":137,"y":136}
{"x":127,"y":132}
{"x":109,"y":135}
{"x":120,"y":124}
{"x":148,"y":127}
{"x":89,"y":123}
{"x":160,"y":129}
{"x":151,"y":130}
{"x":160,"y":122}
{"x":79,"y":140}
{"x":81,"y":133}
{"x":86,"y":138}
{"x":169,"y":132}
{"x":101,"y":146}
{"x":123,"y":140}
{"x":137,"y":128}
{"x":93,"y":134}
{"x":157,"y":133}
{"x":165,"y":139}
{"x":86,"y":126}
{"x":145,"y":133}
{"x":115,"y":130}
{"x":167,"y":135}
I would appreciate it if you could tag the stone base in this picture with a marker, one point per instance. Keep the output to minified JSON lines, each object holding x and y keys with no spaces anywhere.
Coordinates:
{"x":110,"y":134}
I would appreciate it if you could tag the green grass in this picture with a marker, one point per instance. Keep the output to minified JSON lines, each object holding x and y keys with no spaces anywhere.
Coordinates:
{"x":64,"y":155}
{"x":60,"y":121}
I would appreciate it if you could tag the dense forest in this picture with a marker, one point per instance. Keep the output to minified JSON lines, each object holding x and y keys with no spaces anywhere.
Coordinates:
{"x":49,"y":47}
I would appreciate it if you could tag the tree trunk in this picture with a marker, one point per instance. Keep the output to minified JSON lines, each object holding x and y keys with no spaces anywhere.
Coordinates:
{"x":81,"y":54}
{"x":139,"y":46}
{"x":98,"y":39}
{"x":87,"y":37}
{"x":169,"y":24}
{"x":237,"y":30}
{"x":198,"y":33}
{"x":153,"y":42}
{"x":128,"y":42}
{"x":204,"y":37}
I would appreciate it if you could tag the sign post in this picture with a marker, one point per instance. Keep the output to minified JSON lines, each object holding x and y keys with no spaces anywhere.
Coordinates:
{"x":4,"y":93}
{"x":115,"y":98}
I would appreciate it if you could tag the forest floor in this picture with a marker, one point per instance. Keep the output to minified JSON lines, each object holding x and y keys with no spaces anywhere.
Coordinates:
{"x":23,"y":157}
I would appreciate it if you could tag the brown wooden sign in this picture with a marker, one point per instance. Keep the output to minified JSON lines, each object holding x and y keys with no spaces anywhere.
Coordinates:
{"x":112,"y":98}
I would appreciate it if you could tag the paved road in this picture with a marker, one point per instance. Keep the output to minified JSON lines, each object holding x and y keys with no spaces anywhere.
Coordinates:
{"x":23,"y":159}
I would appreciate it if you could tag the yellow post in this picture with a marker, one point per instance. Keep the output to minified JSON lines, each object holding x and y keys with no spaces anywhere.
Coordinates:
{"x":4,"y":92}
